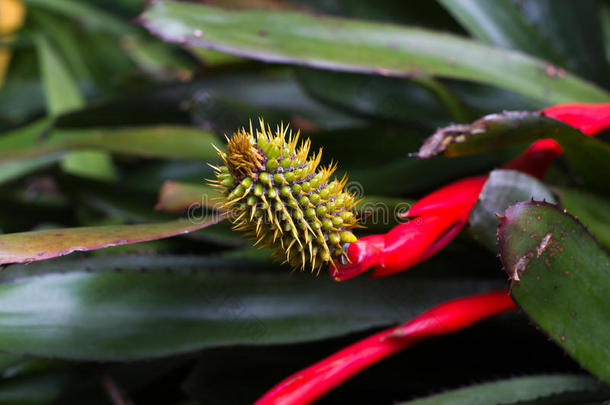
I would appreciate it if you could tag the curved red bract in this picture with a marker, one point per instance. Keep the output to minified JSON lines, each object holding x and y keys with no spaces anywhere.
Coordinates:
{"x":588,"y":118}
{"x":314,"y":381}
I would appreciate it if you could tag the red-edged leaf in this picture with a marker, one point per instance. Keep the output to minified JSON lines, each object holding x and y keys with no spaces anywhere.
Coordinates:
{"x":40,"y":245}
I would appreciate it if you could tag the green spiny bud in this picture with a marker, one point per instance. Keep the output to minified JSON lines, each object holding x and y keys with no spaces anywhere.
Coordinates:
{"x":304,"y":222}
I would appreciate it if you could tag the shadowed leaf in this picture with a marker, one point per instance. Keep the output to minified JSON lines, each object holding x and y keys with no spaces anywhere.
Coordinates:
{"x":179,"y":197}
{"x":520,"y":389}
{"x":121,"y":308}
{"x":592,"y":210}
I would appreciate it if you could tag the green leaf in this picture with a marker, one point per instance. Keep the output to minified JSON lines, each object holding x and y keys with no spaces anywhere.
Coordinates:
{"x":93,"y":164}
{"x":500,"y":23}
{"x":560,"y":280}
{"x":574,"y":30}
{"x":61,"y":91}
{"x":85,"y":14}
{"x":359,"y":46}
{"x":591,"y":209}
{"x":502,"y":188}
{"x":12,"y":170}
{"x":27,"y":247}
{"x":514,"y":390}
{"x":588,"y":156}
{"x":389,"y":98}
{"x":122,"y":308}
{"x":64,"y":36}
{"x":24,"y":136}
{"x":161,"y":61}
{"x":171,"y":142}
{"x":34,"y":390}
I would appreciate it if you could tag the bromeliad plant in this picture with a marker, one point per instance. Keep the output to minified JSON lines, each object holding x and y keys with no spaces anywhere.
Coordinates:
{"x":444,"y":213}
{"x":106,"y":148}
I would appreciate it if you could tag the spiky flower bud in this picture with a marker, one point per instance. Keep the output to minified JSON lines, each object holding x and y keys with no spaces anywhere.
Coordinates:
{"x":279,"y":196}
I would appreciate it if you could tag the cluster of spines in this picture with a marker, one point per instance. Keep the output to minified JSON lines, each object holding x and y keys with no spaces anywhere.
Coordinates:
{"x":281,"y":198}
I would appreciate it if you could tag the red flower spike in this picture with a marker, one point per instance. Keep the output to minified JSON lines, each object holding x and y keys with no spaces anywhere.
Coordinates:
{"x":454,"y":197}
{"x":316,"y":380}
{"x":588,"y":118}
{"x":440,"y":215}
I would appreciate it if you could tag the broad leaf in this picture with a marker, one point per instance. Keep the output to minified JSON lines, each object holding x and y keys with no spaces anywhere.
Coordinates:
{"x":360,"y":46}
{"x":519,"y":389}
{"x":503,"y":188}
{"x":560,"y":279}
{"x":27,"y":247}
{"x":121,"y":308}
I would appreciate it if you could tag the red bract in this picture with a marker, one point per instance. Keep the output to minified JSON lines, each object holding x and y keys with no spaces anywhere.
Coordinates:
{"x":311,"y":383}
{"x":588,"y":118}
{"x":438,"y":217}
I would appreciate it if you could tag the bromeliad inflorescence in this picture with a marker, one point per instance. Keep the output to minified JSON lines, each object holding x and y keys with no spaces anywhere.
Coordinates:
{"x":279,"y":196}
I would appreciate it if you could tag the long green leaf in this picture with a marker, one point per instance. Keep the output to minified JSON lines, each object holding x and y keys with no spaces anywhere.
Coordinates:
{"x":121,"y":308}
{"x":61,"y":91}
{"x":359,"y":46}
{"x":27,"y":247}
{"x":171,"y":142}
{"x":520,"y":389}
{"x":560,"y":280}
